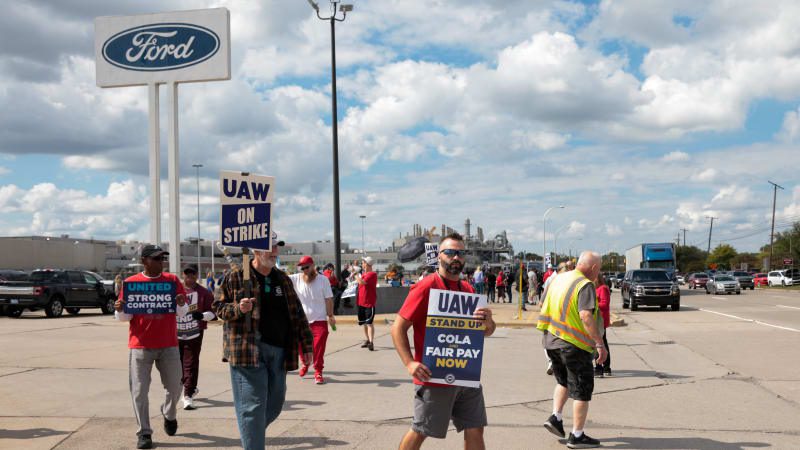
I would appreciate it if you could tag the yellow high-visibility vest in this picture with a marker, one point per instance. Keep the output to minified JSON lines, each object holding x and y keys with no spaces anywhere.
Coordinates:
{"x":559,"y":314}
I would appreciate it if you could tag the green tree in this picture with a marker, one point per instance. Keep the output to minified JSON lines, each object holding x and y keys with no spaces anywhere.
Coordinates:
{"x":722,"y":256}
{"x":690,"y":259}
{"x":751,"y":260}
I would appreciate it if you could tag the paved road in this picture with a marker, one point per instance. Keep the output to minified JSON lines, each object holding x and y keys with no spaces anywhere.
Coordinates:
{"x":717,"y":374}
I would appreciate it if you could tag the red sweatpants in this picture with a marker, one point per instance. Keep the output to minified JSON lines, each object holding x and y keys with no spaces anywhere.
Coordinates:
{"x":320,"y":331}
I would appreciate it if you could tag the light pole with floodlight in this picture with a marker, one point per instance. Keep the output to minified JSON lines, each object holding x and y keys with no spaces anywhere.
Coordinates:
{"x":363,"y":248}
{"x":337,"y":241}
{"x":544,"y":235}
{"x":198,"y":166}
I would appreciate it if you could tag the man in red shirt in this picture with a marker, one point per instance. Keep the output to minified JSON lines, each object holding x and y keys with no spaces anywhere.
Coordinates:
{"x":153,"y":339}
{"x":435,"y":404}
{"x":367,"y":295}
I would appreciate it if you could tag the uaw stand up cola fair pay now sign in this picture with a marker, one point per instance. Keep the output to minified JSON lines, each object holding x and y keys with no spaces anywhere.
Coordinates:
{"x":246,"y":216}
{"x":453,"y":339}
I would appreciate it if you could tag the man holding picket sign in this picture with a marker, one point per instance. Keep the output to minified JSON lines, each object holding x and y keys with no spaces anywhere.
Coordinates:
{"x":436,"y":404}
{"x":147,"y":301}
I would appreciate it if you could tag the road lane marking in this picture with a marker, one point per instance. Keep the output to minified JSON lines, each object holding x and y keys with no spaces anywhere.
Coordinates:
{"x":720,"y":298}
{"x":784,"y":306}
{"x":749,"y":320}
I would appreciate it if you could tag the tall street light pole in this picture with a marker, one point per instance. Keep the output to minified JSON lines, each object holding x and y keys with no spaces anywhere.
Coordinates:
{"x":710,"y":228}
{"x":337,"y":242}
{"x":198,"y":166}
{"x":544,"y":234}
{"x":772,"y":233}
{"x":555,"y":244}
{"x":363,"y":248}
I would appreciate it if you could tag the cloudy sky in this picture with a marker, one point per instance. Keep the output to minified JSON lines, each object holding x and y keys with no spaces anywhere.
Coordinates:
{"x":642,"y":117}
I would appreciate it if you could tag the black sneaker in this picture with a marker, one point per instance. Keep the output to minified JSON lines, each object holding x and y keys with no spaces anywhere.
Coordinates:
{"x":582,"y":442}
{"x":371,"y":347}
{"x":170,"y":426}
{"x":598,"y":374}
{"x":365,"y":344}
{"x":144,"y":441}
{"x":607,"y":372}
{"x":555,"y":426}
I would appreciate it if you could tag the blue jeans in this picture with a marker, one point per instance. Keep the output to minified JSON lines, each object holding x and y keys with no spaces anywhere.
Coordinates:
{"x":258,"y":394}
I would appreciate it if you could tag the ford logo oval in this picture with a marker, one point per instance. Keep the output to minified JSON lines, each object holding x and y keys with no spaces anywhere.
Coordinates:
{"x":164,"y":46}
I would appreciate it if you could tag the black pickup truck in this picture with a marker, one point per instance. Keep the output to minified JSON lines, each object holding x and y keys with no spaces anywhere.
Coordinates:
{"x":57,"y":290}
{"x":644,"y":287}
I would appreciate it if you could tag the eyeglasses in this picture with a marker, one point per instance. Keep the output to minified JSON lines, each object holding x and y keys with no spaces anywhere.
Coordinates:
{"x":453,"y":253}
{"x":305,"y":267}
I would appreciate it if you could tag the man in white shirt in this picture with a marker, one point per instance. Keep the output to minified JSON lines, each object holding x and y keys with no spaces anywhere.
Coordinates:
{"x":316,"y":296}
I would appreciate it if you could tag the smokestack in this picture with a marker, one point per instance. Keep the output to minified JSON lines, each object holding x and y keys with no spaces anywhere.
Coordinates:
{"x":466,"y":228}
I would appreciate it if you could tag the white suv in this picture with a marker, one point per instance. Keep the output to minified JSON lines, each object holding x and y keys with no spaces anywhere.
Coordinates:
{"x":779,"y":278}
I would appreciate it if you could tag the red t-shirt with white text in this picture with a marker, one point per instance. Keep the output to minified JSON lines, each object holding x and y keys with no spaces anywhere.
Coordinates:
{"x":154,"y":330}
{"x":415,"y":310}
{"x":368,"y":292}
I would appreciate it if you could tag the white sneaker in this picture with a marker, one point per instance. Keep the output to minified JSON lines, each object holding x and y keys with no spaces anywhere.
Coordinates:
{"x":187,"y":403}
{"x":196,"y":391}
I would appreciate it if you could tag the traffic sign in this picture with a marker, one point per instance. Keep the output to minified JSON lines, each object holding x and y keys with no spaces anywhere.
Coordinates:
{"x":788,"y":261}
{"x":246,"y":210}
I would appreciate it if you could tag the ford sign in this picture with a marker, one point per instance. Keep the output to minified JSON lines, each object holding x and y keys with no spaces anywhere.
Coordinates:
{"x":159,"y":47}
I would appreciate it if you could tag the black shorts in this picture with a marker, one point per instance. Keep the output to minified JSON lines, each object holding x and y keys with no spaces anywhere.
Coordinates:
{"x":367,"y":315}
{"x":573,"y":369}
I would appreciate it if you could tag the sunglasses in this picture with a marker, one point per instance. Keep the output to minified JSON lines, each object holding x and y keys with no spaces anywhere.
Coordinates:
{"x":305,"y":267}
{"x":453,"y":253}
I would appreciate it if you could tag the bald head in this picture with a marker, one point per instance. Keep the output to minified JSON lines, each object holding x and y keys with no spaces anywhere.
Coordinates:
{"x":589,"y":264}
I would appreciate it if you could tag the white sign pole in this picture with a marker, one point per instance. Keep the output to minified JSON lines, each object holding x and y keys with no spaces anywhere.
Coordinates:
{"x":154,"y":141}
{"x":174,"y":191}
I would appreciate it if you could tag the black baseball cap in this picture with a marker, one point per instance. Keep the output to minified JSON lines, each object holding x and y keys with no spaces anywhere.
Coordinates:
{"x":150,"y":251}
{"x":190,"y":269}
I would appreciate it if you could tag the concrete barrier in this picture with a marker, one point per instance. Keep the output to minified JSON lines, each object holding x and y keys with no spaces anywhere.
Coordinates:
{"x":389,"y":300}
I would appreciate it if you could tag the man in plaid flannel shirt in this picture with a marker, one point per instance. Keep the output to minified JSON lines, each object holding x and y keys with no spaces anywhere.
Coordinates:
{"x":262,"y":337}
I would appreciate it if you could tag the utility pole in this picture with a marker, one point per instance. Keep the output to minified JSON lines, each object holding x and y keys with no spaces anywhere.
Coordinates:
{"x":684,"y":236}
{"x":709,"y":232}
{"x":772,"y":233}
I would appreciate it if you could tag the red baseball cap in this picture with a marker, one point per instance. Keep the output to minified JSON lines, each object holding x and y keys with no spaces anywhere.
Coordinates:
{"x":306,"y":261}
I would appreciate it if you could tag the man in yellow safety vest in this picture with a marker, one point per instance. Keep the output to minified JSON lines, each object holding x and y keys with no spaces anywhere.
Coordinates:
{"x":569,"y":320}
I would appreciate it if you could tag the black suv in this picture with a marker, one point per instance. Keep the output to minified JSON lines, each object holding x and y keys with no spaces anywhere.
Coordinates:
{"x":642,"y":287}
{"x":56,"y":291}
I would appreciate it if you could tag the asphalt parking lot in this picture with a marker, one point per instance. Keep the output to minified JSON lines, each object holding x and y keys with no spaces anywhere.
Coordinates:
{"x":722,"y":373}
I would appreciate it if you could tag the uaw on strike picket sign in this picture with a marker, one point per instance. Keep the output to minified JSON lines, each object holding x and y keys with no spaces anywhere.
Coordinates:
{"x":246,"y":216}
{"x":149,"y":297}
{"x":453,"y":339}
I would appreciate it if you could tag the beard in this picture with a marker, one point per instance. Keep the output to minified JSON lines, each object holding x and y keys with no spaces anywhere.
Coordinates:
{"x":453,"y":267}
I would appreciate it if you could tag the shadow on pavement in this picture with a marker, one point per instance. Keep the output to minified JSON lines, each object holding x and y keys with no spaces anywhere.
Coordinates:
{"x":298,"y":405}
{"x":380,"y":382}
{"x":300,"y":443}
{"x":203,"y":441}
{"x":31,"y":433}
{"x":678,"y":444}
{"x":334,"y":372}
{"x":201,"y":403}
{"x":645,"y":374}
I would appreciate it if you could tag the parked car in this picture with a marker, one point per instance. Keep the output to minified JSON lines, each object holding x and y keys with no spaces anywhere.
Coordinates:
{"x":618,"y":280}
{"x":57,"y":290}
{"x":760,"y":279}
{"x":697,"y":280}
{"x":13,"y":275}
{"x":650,"y":287}
{"x":780,"y":278}
{"x":745,"y":279}
{"x":723,"y":284}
